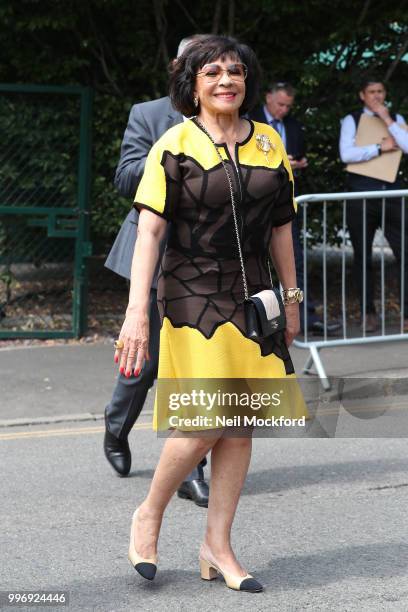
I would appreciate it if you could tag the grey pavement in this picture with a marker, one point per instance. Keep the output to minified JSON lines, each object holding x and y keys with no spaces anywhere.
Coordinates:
{"x":321,"y":522}
{"x":55,"y":380}
{"x":76,"y":380}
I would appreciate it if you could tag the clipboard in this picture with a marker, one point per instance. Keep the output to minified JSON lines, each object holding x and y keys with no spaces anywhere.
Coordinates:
{"x":384,"y":167}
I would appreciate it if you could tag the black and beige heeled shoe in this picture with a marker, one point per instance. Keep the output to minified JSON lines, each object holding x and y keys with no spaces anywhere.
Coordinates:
{"x":210,"y":570}
{"x":145,"y":567}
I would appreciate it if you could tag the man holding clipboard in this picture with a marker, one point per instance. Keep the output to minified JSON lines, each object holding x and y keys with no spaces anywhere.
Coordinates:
{"x":372,"y":142}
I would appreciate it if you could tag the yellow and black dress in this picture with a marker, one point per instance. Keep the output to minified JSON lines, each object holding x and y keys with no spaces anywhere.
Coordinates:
{"x":200,"y":289}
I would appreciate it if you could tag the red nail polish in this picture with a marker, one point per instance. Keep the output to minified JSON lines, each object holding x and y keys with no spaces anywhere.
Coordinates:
{"x":122,"y":370}
{"x":127,"y":374}
{"x":136,"y":372}
{"x":116,"y":359}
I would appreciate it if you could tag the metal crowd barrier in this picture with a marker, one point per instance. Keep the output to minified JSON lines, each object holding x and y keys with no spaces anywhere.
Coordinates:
{"x":347,"y":337}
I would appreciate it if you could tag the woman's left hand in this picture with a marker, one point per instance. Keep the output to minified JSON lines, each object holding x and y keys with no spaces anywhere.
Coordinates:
{"x":292,"y":322}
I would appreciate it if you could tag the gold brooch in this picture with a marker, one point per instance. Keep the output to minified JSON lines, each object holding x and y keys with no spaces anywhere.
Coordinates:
{"x":264,"y":144}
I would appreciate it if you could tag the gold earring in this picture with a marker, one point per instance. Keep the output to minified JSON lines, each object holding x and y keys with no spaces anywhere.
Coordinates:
{"x":195,"y":100}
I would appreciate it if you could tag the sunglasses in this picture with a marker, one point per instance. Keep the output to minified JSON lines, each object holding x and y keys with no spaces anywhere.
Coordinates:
{"x":213,"y":72}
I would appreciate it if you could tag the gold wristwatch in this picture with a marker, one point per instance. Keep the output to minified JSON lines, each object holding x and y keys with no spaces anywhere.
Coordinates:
{"x":293,"y":295}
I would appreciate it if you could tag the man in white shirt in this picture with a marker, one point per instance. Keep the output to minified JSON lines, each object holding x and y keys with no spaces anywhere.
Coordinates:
{"x":372,"y":94}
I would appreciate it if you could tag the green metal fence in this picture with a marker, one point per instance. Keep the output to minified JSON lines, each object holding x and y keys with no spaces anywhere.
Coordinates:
{"x":45,"y":168}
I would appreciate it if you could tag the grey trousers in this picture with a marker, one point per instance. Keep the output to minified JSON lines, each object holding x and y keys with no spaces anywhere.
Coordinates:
{"x":129,"y":394}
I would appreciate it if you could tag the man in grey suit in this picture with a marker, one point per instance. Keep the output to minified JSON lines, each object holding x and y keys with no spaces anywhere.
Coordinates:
{"x":147,"y":123}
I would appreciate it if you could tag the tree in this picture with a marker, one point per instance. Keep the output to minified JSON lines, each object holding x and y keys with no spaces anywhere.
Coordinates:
{"x":121,"y":49}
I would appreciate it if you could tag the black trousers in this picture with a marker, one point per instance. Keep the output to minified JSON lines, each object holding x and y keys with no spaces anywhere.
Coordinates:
{"x":392,"y":229}
{"x":298,"y":252}
{"x":129,"y":394}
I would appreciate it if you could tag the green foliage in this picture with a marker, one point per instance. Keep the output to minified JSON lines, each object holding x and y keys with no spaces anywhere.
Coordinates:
{"x":32,"y":126}
{"x":121,"y":49}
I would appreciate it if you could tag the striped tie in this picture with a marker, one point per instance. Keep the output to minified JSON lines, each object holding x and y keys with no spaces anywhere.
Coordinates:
{"x":276,"y":124}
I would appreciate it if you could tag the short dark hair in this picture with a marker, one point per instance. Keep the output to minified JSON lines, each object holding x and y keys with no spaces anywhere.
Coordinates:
{"x":200,"y":52}
{"x":369,"y":80}
{"x":282,"y":86}
{"x":184,"y":42}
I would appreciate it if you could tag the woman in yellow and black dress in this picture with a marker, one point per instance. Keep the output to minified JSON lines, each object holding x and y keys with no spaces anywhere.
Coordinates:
{"x":200,"y":290}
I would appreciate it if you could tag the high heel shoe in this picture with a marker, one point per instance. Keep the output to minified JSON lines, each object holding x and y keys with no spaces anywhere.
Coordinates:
{"x":145,"y":567}
{"x":209,"y":571}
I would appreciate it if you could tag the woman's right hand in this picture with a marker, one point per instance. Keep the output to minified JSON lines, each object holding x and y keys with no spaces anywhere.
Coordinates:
{"x":135,"y":337}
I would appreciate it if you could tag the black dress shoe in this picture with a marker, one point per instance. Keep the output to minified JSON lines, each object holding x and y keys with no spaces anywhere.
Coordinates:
{"x":117,"y":453}
{"x":196,"y":490}
{"x":317,"y":327}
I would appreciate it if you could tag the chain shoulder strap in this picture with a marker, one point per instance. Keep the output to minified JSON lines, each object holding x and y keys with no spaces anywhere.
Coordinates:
{"x":234,"y":212}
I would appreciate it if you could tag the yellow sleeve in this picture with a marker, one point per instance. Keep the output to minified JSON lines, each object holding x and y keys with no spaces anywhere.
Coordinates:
{"x":159,"y":188}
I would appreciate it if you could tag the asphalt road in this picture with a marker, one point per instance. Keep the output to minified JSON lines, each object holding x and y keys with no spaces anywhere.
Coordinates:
{"x":322,"y":523}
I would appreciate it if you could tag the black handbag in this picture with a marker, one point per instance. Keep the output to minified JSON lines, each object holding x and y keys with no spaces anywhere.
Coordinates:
{"x":264,"y":312}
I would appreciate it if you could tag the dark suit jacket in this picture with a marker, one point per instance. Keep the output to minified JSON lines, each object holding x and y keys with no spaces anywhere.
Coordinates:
{"x":295,"y":141}
{"x":148,"y":121}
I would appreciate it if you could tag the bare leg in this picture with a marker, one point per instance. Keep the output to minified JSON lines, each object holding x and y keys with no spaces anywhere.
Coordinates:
{"x":179,"y":456}
{"x":229,"y":466}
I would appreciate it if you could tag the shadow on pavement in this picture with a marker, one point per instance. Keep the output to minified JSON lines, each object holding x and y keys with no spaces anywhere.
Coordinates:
{"x":339,"y":564}
{"x":297,"y":476}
